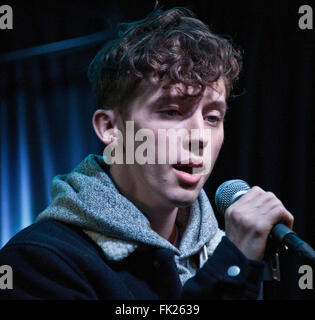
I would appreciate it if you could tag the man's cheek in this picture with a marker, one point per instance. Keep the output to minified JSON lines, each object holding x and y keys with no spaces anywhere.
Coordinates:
{"x":210,"y":154}
{"x":216,"y":147}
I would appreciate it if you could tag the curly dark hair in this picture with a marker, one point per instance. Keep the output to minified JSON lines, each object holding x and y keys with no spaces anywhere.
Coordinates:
{"x":174,"y":45}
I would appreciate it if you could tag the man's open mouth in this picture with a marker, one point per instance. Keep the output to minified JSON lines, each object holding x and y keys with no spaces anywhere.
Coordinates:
{"x":187,"y":167}
{"x":184,"y":172}
{"x":184,"y":168}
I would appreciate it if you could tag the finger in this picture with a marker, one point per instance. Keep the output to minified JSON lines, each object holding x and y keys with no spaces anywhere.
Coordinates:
{"x":265,"y":200}
{"x":287,"y":219}
{"x":258,"y":202}
{"x":251,"y":195}
{"x":281,"y":215}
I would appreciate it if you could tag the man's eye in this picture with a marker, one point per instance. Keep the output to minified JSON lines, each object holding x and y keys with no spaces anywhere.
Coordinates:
{"x":212,"y":119}
{"x":170,"y":113}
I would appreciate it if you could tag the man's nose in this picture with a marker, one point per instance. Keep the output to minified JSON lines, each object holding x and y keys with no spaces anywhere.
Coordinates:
{"x":197,"y":132}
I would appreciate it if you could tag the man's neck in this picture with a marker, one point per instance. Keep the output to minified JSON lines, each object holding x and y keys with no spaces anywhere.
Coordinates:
{"x":162,"y":219}
{"x":163,"y":223}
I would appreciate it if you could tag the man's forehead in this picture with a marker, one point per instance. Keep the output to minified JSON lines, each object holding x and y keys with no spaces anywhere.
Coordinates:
{"x":156,"y":92}
{"x":180,"y":92}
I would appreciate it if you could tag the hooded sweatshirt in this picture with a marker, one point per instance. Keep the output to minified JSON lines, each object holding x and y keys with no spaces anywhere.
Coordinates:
{"x":88,"y":197}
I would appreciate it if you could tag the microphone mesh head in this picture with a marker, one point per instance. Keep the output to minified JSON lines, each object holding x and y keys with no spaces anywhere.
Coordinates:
{"x":225,"y":194}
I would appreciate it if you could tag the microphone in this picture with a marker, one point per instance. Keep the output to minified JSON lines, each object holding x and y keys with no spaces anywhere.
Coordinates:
{"x":231,"y":190}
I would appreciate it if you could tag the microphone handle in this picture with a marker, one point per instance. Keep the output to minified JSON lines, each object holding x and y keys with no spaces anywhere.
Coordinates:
{"x":287,"y":237}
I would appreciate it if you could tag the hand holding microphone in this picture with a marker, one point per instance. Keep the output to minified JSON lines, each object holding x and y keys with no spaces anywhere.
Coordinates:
{"x":251,"y":215}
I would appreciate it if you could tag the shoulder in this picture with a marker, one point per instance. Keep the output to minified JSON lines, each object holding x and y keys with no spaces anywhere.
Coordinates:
{"x":48,"y":233}
{"x":51,"y":259}
{"x":54,"y":238}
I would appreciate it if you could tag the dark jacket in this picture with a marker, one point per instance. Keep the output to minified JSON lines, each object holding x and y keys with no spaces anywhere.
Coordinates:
{"x":53,"y":260}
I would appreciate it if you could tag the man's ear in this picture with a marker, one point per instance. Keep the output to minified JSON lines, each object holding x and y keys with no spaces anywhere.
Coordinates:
{"x":103,"y":121}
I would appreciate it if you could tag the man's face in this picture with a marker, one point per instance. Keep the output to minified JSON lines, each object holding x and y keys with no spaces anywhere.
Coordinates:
{"x":166,"y":107}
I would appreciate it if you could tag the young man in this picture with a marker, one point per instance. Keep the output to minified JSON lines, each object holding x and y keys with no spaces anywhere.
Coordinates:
{"x":146,"y":230}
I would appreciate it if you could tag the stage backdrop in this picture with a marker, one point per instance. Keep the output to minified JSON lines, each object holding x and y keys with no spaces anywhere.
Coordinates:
{"x":47,"y":105}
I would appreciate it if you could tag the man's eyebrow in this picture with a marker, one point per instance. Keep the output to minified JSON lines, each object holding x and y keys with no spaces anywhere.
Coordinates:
{"x":167,"y":99}
{"x":222,"y":105}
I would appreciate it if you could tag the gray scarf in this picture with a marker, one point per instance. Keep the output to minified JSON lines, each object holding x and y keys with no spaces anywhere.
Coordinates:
{"x":87,"y":197}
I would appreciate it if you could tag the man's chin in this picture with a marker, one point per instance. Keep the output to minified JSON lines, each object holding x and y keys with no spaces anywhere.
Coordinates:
{"x":184,"y":199}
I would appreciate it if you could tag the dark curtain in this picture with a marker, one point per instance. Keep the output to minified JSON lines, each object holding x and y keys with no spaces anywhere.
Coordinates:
{"x":47,"y":106}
